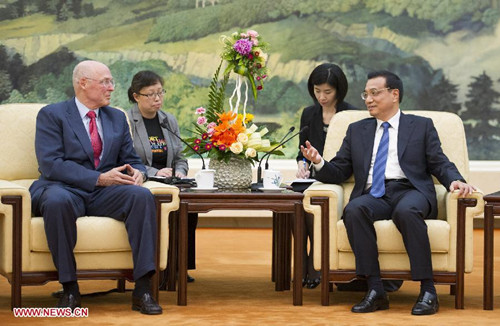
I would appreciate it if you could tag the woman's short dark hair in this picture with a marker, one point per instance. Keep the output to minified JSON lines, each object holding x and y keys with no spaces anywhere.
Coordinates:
{"x":332,"y":75}
{"x":391,"y":80}
{"x":142,"y":79}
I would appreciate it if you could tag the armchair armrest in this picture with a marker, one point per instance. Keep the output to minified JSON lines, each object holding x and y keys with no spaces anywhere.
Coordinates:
{"x":161,"y":190}
{"x":461,"y":221}
{"x":15,"y":219}
{"x":335,"y":195}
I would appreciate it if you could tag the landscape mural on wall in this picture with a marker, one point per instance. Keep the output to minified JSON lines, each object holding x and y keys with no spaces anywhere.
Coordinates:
{"x":446,"y":51}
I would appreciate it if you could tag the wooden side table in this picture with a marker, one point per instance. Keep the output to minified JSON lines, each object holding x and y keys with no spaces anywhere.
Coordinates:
{"x":491,"y":209}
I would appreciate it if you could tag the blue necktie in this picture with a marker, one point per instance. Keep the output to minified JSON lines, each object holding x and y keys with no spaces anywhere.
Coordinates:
{"x":378,"y":182}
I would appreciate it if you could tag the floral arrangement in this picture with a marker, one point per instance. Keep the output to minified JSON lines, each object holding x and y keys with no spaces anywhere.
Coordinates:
{"x":225,"y":134}
{"x":244,"y":53}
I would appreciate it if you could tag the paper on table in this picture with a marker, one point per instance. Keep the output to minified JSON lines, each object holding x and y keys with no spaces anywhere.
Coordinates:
{"x":303,"y":181}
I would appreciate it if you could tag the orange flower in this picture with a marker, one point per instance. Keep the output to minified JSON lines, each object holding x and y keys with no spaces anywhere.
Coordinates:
{"x":227,"y":129}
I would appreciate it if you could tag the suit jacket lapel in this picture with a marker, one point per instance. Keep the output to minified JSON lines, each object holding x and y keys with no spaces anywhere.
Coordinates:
{"x":107,"y":131}
{"x":407,"y":126}
{"x":368,"y":138}
{"x":76,"y":123}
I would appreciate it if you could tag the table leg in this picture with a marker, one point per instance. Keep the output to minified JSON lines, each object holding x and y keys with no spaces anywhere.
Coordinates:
{"x":288,"y":250}
{"x":298,"y":254}
{"x":488,"y":258}
{"x":280,"y":247}
{"x":274,"y":247}
{"x":182,"y":255}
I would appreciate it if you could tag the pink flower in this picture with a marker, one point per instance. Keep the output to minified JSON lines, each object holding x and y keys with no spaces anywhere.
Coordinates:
{"x":222,"y":147}
{"x":258,"y":78}
{"x":264,"y":76}
{"x":250,"y":56}
{"x":208,"y":146}
{"x":200,"y":110}
{"x":243,"y":46}
{"x":211,"y":125}
{"x":252,"y":33}
{"x":253,"y":36}
{"x":210,"y":131}
{"x":201,"y":120}
{"x":259,"y":87}
{"x":196,"y":147}
{"x":204,"y":136}
{"x":197,"y":141}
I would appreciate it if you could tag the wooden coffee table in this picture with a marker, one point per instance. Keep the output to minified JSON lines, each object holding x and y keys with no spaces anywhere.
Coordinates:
{"x":284,"y":204}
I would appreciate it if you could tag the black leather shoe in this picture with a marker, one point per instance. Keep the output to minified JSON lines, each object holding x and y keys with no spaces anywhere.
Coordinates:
{"x":190,"y":279}
{"x":146,"y":305}
{"x":371,"y":302}
{"x":427,"y":304}
{"x":312,"y":284}
{"x":69,"y":300}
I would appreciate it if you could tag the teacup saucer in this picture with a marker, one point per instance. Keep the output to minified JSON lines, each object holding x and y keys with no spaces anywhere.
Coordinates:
{"x":272,"y":189}
{"x":204,"y":189}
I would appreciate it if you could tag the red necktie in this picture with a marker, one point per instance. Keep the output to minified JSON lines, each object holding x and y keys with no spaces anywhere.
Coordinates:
{"x":95,"y":140}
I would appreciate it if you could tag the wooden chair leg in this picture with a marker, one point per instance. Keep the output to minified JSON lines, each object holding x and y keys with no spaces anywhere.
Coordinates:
{"x":330,"y":286}
{"x":120,"y":285}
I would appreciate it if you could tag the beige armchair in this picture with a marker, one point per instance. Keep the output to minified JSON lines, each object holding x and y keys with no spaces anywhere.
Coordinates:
{"x":450,"y":234}
{"x":102,"y":250}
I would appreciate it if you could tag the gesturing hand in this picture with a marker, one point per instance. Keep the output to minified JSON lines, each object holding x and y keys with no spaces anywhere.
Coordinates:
{"x":310,"y":153}
{"x":116,"y":177}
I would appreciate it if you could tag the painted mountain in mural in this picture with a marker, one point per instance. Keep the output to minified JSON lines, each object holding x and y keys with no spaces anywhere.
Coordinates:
{"x":444,"y":51}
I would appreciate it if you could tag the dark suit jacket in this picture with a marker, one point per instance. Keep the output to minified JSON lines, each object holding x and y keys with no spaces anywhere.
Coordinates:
{"x":143,"y":148}
{"x":312,"y":116}
{"x":64,"y":152}
{"x":419,"y":152}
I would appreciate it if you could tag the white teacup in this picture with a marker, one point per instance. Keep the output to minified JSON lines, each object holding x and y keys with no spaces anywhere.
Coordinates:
{"x":205,"y":179}
{"x":272,"y":179}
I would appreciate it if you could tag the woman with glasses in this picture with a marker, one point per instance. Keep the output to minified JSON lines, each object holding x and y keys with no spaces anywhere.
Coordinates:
{"x":327,"y":86}
{"x":159,"y":150}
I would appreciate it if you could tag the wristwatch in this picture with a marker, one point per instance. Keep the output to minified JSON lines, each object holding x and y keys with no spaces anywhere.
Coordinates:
{"x":144,"y":176}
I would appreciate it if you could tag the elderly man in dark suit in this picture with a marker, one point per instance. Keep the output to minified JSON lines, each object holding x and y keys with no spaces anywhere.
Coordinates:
{"x":88,"y":166}
{"x":393,"y":157}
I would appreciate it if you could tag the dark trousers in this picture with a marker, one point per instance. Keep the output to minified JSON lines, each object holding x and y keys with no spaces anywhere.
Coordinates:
{"x":407,"y":208}
{"x":61,"y":205}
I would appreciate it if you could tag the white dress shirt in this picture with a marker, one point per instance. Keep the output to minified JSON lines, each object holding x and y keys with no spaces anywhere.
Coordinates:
{"x":392,"y":169}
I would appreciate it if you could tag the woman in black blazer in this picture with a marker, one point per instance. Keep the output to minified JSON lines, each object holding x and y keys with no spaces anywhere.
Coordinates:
{"x":327,"y":86}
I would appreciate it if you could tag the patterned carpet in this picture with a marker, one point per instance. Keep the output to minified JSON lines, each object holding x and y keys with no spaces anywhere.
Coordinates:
{"x":233,"y":287}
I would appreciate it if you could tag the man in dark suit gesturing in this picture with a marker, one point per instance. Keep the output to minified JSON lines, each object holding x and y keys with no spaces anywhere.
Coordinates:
{"x":88,"y":166}
{"x":392,"y":157}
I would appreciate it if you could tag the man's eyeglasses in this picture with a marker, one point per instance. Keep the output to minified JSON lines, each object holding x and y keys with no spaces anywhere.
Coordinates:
{"x":104,"y":82}
{"x":152,"y":96}
{"x":373,"y":92}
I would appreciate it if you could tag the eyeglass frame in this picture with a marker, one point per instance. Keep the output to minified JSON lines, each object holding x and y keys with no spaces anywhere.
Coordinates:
{"x":104,"y":82}
{"x":152,"y":96}
{"x":378,"y":91}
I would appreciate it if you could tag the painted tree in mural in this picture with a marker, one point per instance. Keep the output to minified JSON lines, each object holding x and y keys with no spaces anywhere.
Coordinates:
{"x":441,"y":96}
{"x":481,"y":125}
